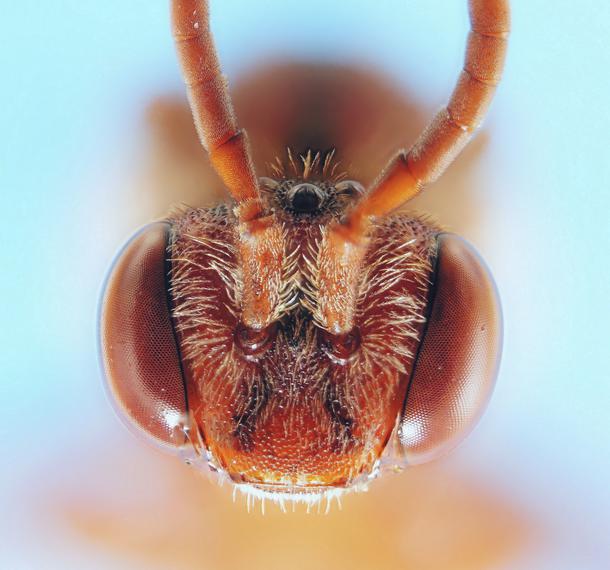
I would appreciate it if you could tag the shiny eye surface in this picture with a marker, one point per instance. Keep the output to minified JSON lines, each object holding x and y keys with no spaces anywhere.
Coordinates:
{"x":254,"y":343}
{"x":457,"y":363}
{"x":138,"y":347}
{"x":341,"y":349}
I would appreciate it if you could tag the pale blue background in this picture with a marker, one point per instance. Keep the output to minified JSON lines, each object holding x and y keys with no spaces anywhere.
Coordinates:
{"x":74,"y":78}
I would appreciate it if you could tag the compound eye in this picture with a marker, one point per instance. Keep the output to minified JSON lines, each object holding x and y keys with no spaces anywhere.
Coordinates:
{"x":254,"y":343}
{"x":340,"y":349}
{"x":459,"y":354}
{"x":138,"y":347}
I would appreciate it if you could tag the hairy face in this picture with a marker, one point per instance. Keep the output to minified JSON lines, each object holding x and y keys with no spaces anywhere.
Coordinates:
{"x":282,"y":339}
{"x":292,"y":406}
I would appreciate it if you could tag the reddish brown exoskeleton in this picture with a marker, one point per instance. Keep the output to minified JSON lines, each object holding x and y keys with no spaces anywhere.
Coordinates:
{"x":303,"y":336}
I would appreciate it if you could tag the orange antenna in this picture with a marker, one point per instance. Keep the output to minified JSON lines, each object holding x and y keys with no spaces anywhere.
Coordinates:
{"x":409,"y":171}
{"x":452,"y":128}
{"x":261,"y":244}
{"x":210,"y":101}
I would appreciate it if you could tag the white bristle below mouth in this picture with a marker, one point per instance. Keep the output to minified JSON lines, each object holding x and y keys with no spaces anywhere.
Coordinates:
{"x":313,"y":498}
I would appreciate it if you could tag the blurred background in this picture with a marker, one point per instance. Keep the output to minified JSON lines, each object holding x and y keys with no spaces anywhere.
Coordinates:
{"x":96,"y":140}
